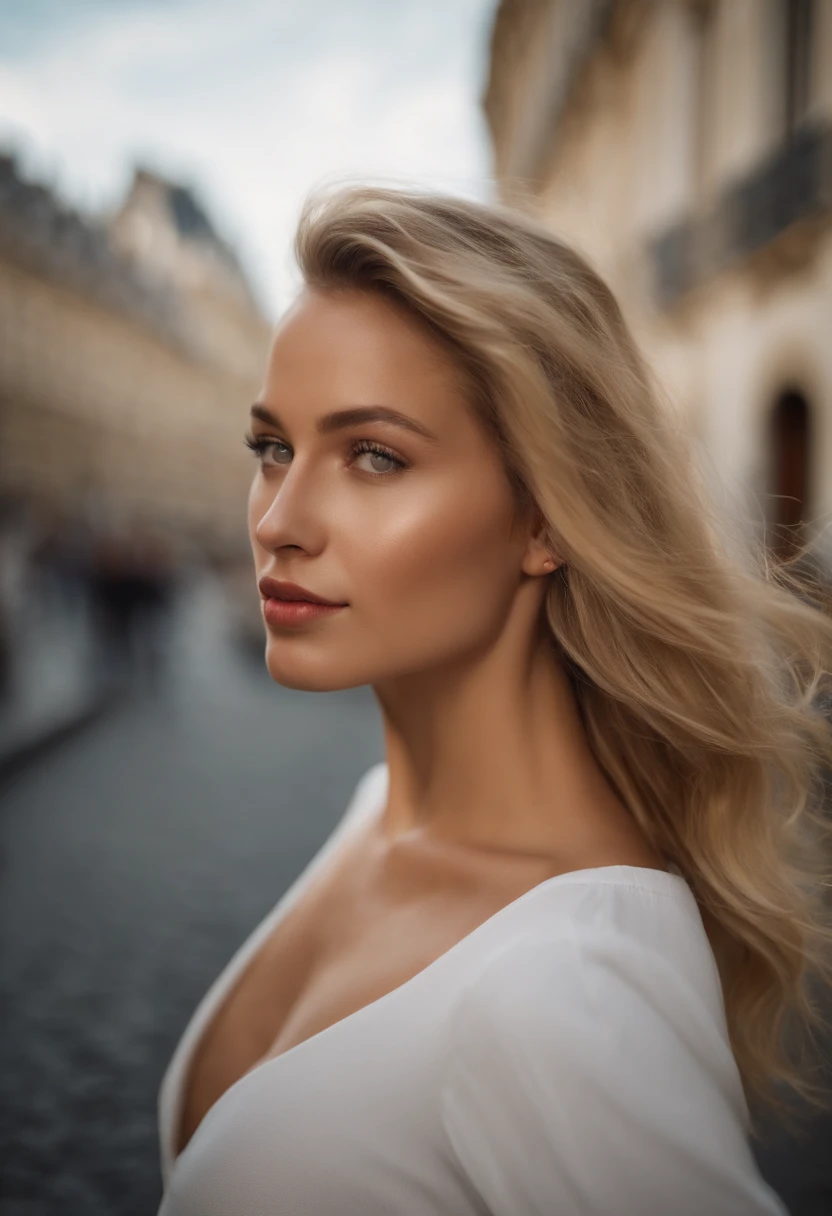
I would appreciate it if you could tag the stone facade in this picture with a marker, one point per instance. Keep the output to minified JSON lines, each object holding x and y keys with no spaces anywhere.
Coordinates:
{"x":685,"y":146}
{"x":130,"y":352}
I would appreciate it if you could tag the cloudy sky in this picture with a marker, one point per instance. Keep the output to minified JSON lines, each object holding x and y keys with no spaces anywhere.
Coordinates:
{"x":251,"y":102}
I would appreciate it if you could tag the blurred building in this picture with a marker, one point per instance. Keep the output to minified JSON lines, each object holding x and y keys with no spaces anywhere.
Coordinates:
{"x":685,"y":146}
{"x":130,"y":351}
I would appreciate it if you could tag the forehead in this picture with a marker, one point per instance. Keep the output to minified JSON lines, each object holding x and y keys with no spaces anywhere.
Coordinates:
{"x":355,"y":344}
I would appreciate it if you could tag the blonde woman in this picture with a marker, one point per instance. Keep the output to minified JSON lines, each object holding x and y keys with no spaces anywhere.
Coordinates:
{"x":545,"y":961}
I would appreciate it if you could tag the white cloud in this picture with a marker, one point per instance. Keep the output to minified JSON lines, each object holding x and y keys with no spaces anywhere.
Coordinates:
{"x":254,"y":104}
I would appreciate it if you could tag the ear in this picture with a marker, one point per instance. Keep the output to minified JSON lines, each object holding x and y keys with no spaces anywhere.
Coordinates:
{"x":540,"y":557}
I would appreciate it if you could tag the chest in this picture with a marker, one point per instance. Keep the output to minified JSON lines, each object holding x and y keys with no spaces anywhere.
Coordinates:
{"x":341,"y":946}
{"x":350,"y":1120}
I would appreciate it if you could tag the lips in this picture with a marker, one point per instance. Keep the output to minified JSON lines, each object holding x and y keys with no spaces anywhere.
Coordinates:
{"x":272,"y":588}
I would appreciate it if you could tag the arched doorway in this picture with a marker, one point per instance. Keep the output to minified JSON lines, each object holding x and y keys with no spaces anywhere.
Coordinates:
{"x":788,"y":499}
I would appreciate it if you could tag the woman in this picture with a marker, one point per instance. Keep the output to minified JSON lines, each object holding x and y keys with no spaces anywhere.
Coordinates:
{"x":544,"y":962}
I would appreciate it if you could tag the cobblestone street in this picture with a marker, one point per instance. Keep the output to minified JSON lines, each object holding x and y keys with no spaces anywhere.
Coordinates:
{"x":135,"y":858}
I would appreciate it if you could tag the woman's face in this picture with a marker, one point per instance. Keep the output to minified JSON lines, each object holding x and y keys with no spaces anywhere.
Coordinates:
{"x":408,"y":523}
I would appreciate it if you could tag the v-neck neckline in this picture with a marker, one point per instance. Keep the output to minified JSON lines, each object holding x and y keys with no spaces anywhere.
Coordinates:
{"x":206,"y":1013}
{"x":577,"y":876}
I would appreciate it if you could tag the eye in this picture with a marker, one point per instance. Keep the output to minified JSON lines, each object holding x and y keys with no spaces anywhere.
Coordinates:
{"x":378,"y":451}
{"x":260,"y":444}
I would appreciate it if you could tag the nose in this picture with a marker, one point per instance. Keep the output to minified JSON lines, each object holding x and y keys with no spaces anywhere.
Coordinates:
{"x":289,"y":514}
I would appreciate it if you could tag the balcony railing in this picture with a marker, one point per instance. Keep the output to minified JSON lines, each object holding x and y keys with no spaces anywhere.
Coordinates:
{"x":792,"y":185}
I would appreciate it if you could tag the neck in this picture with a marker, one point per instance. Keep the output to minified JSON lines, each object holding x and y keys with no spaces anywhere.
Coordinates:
{"x":492,"y":752}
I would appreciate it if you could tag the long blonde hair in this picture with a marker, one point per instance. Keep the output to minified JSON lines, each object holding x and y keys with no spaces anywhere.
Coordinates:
{"x":700,"y":676}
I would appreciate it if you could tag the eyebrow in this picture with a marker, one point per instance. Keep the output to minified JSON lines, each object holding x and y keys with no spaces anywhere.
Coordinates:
{"x":341,"y":419}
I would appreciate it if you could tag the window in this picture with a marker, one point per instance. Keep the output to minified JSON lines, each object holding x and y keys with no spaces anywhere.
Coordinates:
{"x":796,"y":51}
{"x":703,"y":43}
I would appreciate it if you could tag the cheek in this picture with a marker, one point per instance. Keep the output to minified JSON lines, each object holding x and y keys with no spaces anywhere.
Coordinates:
{"x":440,"y":574}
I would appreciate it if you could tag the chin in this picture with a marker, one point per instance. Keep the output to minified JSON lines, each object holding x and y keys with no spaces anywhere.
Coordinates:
{"x":291,"y":668}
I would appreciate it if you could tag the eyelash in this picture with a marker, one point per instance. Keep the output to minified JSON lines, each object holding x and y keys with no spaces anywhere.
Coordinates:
{"x":258,"y":444}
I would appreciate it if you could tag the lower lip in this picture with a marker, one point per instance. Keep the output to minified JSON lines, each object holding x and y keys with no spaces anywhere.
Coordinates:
{"x":296,"y":612}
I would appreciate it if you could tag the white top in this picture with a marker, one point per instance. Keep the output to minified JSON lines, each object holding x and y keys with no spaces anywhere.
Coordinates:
{"x":569,"y":1057}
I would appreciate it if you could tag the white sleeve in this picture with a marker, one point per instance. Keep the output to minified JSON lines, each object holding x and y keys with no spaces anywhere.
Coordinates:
{"x":588,"y":1078}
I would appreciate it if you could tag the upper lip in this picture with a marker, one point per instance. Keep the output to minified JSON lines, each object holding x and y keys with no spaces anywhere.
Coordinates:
{"x":272,"y":588}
